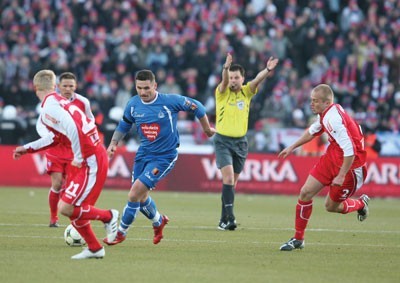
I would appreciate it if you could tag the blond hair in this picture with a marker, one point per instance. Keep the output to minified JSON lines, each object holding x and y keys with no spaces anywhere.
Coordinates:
{"x":44,"y":80}
{"x":326,"y":92}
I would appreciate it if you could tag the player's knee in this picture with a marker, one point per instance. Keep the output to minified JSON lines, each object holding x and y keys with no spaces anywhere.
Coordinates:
{"x":57,"y":186}
{"x":332,"y":206}
{"x":305,"y":195}
{"x":228,"y":180}
{"x":65,"y":209}
{"x":329,"y":208}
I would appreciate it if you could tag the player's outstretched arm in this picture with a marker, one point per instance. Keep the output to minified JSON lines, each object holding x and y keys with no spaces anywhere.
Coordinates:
{"x":37,"y":145}
{"x":208,"y":130}
{"x":285,"y":152}
{"x":262,"y":75}
{"x":305,"y":138}
{"x":112,"y":147}
{"x":18,"y":152}
{"x":225,"y":73}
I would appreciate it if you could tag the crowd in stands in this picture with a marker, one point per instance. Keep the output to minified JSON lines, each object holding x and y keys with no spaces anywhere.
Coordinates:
{"x":354,"y":46}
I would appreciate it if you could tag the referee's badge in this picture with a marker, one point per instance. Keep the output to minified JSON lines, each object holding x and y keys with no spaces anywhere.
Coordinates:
{"x":240,"y":105}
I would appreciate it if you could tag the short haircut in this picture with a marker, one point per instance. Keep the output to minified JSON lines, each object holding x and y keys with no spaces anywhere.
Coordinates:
{"x":326,"y":91}
{"x":237,"y":67}
{"x":44,"y":80}
{"x":145,"y":75}
{"x":67,"y":76}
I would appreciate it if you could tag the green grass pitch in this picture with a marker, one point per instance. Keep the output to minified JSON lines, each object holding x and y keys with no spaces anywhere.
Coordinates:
{"x":338,"y":247}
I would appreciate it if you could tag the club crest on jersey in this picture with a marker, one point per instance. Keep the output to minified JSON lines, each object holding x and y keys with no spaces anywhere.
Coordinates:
{"x":161,"y":114}
{"x":240,"y":104}
{"x":191,"y":105}
{"x":155,"y":171}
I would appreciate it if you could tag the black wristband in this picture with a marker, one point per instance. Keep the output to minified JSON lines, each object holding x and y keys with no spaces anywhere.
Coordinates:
{"x":269,"y":70}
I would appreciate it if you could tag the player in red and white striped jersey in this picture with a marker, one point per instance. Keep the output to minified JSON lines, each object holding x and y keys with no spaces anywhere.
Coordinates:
{"x":342,"y":167}
{"x":60,"y":156}
{"x":69,"y":125}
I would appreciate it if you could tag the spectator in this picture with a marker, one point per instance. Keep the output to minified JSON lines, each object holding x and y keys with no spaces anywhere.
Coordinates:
{"x":102,"y":41}
{"x":11,"y":128}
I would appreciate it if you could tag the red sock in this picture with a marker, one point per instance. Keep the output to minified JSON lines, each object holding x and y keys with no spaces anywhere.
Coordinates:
{"x":350,"y":205}
{"x":88,"y":212}
{"x":53,"y":203}
{"x":85,"y":229}
{"x":303,"y":213}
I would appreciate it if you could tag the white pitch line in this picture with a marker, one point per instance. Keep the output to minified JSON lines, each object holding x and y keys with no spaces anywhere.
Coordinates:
{"x":131,"y":239}
{"x":214,"y":228}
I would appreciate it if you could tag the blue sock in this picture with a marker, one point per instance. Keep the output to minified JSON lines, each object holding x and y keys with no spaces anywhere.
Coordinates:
{"x":149,"y":209}
{"x":129,"y":215}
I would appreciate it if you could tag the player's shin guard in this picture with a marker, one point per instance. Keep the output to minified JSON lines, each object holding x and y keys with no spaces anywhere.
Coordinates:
{"x":85,"y":230}
{"x":350,"y":205}
{"x":303,"y":213}
{"x":88,"y":212}
{"x":128,"y":215}
{"x":149,"y":209}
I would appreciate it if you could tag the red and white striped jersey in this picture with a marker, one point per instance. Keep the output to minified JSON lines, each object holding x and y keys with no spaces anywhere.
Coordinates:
{"x":345,"y":135}
{"x":67,"y":124}
{"x":63,"y":149}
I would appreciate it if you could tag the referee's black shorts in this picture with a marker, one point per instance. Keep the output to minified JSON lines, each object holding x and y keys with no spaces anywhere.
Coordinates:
{"x":231,"y":151}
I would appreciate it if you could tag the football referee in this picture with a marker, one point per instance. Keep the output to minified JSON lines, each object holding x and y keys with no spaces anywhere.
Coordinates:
{"x":232,"y":115}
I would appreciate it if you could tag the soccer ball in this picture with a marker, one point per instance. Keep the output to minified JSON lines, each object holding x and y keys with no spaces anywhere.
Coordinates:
{"x":72,"y":237}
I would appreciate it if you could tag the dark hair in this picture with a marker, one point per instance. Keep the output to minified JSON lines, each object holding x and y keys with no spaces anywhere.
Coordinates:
{"x":67,"y":76}
{"x":237,"y":67}
{"x":145,"y":75}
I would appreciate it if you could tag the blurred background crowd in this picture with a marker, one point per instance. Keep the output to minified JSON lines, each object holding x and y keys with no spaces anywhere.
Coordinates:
{"x":354,"y":46}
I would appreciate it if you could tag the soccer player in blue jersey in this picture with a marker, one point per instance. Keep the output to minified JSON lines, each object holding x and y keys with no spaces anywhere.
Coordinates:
{"x":155,"y":116}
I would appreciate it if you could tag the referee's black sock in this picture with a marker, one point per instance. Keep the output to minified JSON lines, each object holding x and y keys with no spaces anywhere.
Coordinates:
{"x":224,"y":216}
{"x":228,"y":196}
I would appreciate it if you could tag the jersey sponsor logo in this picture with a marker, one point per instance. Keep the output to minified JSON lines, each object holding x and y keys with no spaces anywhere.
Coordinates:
{"x":329,"y":127}
{"x":132,"y":111}
{"x":51,"y":119}
{"x":150,"y":131}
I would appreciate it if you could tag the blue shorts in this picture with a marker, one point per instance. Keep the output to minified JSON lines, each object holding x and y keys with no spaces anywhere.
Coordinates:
{"x":151,"y":169}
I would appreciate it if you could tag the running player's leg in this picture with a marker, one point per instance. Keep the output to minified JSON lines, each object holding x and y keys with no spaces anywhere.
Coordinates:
{"x":339,"y":199}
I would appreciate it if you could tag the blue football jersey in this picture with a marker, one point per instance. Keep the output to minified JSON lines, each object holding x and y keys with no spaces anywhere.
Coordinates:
{"x":156,"y":121}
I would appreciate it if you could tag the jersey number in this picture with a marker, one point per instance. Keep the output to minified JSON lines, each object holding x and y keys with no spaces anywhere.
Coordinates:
{"x":345,"y":193}
{"x":72,"y":188}
{"x":87,"y":124}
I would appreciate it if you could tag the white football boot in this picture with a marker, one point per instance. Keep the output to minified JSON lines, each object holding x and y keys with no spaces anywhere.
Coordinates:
{"x":112,"y":226}
{"x":86,"y":253}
